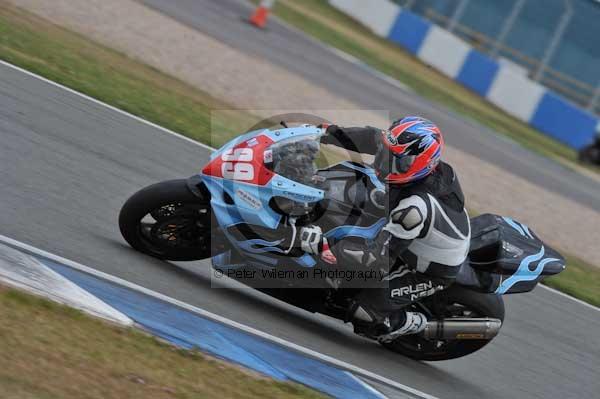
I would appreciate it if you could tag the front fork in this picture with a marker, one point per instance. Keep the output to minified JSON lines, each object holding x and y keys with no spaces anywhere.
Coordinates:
{"x":197,"y":187}
{"x":219,"y":242}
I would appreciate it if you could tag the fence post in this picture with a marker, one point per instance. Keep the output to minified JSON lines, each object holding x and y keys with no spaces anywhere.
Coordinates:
{"x":594,"y":100}
{"x":555,"y":42}
{"x":457,"y":15}
{"x":408,"y":4}
{"x":507,"y":26}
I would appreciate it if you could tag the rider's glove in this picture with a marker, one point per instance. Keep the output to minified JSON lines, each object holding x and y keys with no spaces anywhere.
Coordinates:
{"x":311,"y":239}
{"x":314,"y":242}
{"x":332,"y":130}
{"x":339,"y":137}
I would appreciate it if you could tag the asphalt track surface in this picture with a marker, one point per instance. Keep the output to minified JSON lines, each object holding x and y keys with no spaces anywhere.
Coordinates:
{"x":68,"y":164}
{"x":294,"y":51}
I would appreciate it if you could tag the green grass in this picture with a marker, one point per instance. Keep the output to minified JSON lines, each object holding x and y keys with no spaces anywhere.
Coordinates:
{"x":579,"y":279}
{"x":54,"y":351}
{"x":320,"y":20}
{"x":109,"y":76}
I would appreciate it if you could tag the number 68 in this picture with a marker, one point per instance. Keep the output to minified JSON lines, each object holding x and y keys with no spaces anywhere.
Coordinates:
{"x":239,"y":169}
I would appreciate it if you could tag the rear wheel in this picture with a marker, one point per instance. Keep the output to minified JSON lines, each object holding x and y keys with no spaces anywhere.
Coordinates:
{"x":166,"y":220}
{"x":455,"y":302}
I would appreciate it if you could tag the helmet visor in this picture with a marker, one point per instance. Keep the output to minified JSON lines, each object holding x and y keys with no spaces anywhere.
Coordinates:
{"x":402,"y":163}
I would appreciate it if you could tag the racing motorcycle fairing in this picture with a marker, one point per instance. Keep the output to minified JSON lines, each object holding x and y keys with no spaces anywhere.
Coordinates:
{"x":242,"y":184}
{"x":263,"y":176}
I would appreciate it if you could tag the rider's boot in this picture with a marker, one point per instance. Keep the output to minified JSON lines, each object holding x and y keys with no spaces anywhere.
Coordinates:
{"x":385,"y":326}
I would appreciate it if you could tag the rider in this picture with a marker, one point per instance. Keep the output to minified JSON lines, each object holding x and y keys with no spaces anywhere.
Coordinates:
{"x":427,"y":234}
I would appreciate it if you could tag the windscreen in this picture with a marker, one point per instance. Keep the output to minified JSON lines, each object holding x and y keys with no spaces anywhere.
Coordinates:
{"x":299,"y":158}
{"x":296,"y":158}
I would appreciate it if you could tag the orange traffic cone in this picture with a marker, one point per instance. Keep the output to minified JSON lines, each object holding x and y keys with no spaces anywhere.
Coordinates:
{"x":260,"y":15}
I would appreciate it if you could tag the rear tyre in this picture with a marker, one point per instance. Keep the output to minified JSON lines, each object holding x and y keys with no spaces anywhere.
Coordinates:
{"x":457,"y":302}
{"x":166,"y":220}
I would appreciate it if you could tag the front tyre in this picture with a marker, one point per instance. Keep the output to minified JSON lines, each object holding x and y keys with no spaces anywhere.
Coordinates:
{"x":459,"y":302}
{"x":166,"y":220}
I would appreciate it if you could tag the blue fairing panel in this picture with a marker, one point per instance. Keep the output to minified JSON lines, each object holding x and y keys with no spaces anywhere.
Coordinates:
{"x":525,"y":273}
{"x":369,"y":172}
{"x":239,"y":202}
{"x":368,"y":233}
{"x":251,"y":202}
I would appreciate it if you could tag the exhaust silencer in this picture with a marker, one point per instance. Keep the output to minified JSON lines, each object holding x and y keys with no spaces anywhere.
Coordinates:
{"x":462,"y":329}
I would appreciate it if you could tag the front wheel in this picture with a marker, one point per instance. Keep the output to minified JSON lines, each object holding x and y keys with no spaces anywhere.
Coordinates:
{"x":456,"y":302}
{"x":166,"y":220}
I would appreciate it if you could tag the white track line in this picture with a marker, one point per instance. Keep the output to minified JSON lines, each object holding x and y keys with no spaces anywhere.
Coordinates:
{"x":579,"y":301}
{"x":367,"y":386}
{"x":214,"y":317}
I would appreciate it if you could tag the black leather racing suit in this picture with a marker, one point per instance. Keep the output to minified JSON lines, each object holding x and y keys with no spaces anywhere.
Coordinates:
{"x":425,"y":240}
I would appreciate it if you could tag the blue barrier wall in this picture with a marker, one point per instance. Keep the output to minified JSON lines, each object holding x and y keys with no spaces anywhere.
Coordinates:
{"x":409,"y":31}
{"x":549,"y":113}
{"x":478,"y":72}
{"x":564,"y":121}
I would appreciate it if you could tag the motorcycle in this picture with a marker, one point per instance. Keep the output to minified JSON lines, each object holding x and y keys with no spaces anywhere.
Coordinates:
{"x":590,"y":154}
{"x":231,"y":210}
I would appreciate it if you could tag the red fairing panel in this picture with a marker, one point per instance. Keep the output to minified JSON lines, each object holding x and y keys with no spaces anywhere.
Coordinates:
{"x":244,"y":162}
